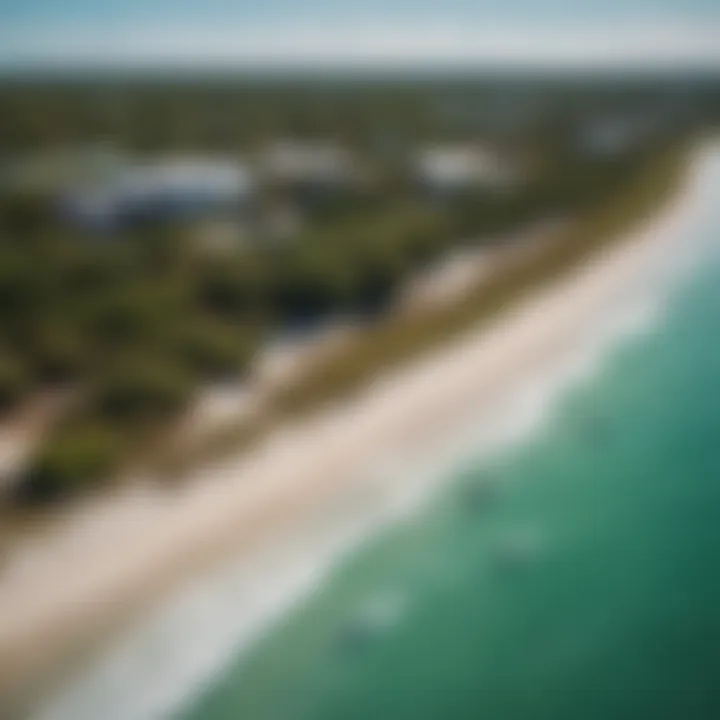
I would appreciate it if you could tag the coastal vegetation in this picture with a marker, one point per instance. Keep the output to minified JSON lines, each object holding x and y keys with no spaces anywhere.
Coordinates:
{"x":398,"y":337}
{"x":132,"y":325}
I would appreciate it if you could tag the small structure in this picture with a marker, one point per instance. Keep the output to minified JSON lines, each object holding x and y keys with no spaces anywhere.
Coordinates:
{"x":612,"y":135}
{"x":178,"y":188}
{"x":451,"y":168}
{"x":318,"y":164}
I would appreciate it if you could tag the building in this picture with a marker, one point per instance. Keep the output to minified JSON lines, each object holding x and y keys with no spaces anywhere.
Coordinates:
{"x":464,"y":166}
{"x":318,"y":163}
{"x":176,"y":188}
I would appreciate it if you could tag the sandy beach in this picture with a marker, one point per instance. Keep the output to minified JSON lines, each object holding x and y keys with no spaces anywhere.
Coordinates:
{"x":113,"y":553}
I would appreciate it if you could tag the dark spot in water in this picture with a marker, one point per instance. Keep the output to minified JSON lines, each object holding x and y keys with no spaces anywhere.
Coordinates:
{"x":597,"y":429}
{"x":479,"y":494}
{"x":354,"y":639}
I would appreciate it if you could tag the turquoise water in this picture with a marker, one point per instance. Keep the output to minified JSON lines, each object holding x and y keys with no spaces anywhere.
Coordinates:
{"x":585,"y":585}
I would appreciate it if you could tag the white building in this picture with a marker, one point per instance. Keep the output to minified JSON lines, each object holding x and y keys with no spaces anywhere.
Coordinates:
{"x":175,"y":187}
{"x":464,"y":166}
{"x":320,"y":163}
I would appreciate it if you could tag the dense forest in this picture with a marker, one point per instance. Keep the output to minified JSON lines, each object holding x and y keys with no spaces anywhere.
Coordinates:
{"x":131,"y":324}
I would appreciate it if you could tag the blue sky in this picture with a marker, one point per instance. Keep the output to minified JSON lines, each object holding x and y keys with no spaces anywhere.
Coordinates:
{"x":233,"y":32}
{"x":43,"y":11}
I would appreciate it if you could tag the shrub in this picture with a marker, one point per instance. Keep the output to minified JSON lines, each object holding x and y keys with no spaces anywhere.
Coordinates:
{"x":143,"y":392}
{"x":120,"y":320}
{"x":70,"y":459}
{"x":215,"y":352}
{"x":59,"y":355}
{"x":13,"y":382}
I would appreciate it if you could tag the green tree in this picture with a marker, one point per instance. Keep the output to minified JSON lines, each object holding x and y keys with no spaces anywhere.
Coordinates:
{"x":143,"y":392}
{"x":70,"y":459}
{"x":14,"y":382}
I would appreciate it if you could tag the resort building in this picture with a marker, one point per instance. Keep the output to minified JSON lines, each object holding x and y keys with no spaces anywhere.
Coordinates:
{"x":450,"y":168}
{"x":180,"y":187}
{"x":319,"y":164}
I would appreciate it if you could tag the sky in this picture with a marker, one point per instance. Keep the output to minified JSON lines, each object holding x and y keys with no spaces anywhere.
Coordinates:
{"x":337,"y":33}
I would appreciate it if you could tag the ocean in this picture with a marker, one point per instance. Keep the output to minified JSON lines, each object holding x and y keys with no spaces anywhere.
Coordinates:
{"x":573,"y":573}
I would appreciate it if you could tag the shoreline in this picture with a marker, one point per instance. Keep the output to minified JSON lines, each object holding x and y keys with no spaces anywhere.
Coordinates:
{"x":146,"y":540}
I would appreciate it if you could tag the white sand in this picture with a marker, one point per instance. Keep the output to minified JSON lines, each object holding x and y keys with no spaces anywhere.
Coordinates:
{"x":120,"y":549}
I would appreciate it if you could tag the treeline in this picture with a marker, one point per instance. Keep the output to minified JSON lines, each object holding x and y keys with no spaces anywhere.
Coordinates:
{"x":133,"y":325}
{"x":635,"y":194}
{"x":234,"y":114}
